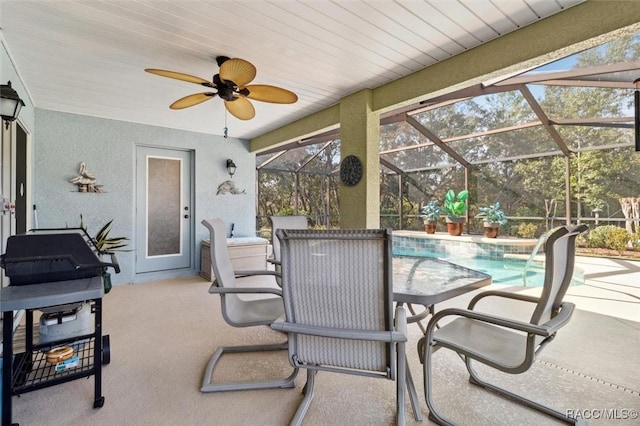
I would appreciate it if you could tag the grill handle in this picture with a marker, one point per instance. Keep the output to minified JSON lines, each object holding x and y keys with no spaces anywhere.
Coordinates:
{"x":114,"y":263}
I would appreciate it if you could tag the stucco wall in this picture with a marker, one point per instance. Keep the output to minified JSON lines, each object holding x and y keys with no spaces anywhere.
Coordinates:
{"x":108,"y":148}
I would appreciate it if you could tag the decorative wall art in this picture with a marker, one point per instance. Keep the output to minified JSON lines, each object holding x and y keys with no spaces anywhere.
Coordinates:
{"x":86,"y":181}
{"x":228,"y":186}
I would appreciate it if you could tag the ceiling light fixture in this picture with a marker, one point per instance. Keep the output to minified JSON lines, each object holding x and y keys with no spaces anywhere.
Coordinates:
{"x":10,"y":103}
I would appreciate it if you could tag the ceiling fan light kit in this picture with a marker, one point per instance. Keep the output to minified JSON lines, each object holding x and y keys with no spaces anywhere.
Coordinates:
{"x":231,"y":84}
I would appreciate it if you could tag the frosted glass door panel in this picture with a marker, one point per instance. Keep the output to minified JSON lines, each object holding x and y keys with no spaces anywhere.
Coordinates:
{"x":164,"y":206}
{"x":163,"y":220}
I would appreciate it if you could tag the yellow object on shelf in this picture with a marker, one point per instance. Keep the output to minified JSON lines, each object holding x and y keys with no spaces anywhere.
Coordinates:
{"x":59,"y":354}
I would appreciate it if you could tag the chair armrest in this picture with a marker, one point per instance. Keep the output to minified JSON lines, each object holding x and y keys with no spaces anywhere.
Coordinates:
{"x":498,"y":293}
{"x":214,"y":289}
{"x":561,"y":318}
{"x":240,"y":274}
{"x":340,"y":333}
{"x":540,"y":330}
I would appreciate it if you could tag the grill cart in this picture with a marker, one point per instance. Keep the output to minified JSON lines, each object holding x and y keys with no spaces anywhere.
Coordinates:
{"x":57,"y":272}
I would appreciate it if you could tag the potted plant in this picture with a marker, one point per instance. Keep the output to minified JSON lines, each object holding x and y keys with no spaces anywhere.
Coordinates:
{"x":430,"y":214}
{"x":455,"y":207}
{"x":493,"y":217}
{"x":106,"y":245}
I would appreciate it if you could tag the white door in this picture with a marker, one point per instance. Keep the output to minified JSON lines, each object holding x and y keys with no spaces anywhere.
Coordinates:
{"x":164,"y":221}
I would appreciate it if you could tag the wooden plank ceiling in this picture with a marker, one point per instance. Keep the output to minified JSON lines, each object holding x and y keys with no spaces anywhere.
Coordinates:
{"x":88,"y":57}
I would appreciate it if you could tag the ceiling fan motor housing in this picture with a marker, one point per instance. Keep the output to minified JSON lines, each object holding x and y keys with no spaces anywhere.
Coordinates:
{"x":226,"y":88}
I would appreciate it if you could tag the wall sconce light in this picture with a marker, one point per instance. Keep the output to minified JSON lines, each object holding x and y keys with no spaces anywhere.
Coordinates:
{"x":636,"y":98}
{"x":10,"y":104}
{"x":231,"y":167}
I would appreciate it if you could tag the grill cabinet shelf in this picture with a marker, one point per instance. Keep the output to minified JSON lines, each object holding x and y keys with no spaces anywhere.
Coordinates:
{"x":34,"y":372}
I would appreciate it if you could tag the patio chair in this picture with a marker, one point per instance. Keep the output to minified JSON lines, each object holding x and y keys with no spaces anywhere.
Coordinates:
{"x":338,"y":297}
{"x":504,"y":343}
{"x":282,"y":222}
{"x":265,"y":307}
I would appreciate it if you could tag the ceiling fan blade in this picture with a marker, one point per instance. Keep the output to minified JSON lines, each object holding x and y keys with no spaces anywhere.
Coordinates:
{"x":273,"y":94}
{"x":192,"y":100}
{"x":237,"y":70}
{"x":241,"y":108}
{"x":181,"y":76}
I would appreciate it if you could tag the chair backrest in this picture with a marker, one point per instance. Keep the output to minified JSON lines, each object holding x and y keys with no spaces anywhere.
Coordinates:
{"x":232,"y":306}
{"x":560,"y":249}
{"x":284,"y":222}
{"x":339,"y":279}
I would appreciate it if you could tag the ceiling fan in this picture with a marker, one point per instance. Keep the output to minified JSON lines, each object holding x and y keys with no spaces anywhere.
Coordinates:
{"x":232,"y":85}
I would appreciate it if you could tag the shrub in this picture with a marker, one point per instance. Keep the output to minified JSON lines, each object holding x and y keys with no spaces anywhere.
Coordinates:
{"x":635,"y":240}
{"x":526,"y":230}
{"x":610,"y":237}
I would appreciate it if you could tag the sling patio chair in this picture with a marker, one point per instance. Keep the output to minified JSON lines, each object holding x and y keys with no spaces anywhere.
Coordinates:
{"x":282,"y":222}
{"x":506,"y":344}
{"x":263,"y":309}
{"x":338,"y":297}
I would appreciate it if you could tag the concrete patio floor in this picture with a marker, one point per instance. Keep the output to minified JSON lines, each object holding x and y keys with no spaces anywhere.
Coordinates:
{"x":592,"y":368}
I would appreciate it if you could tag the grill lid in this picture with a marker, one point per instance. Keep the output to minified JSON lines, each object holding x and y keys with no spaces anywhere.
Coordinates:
{"x":47,"y":257}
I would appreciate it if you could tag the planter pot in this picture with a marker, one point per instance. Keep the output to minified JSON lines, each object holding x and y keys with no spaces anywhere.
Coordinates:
{"x":430,"y":227}
{"x":491,"y":230}
{"x":106,"y":279}
{"x":455,"y":225}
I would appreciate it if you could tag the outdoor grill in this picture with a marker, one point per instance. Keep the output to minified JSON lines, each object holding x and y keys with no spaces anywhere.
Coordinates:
{"x":52,"y":255}
{"x":58,"y":272}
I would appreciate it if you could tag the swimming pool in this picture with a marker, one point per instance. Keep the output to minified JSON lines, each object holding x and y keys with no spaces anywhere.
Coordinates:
{"x":505,"y":271}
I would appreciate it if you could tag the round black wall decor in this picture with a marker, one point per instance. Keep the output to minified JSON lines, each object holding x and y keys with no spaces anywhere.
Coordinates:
{"x":350,"y":170}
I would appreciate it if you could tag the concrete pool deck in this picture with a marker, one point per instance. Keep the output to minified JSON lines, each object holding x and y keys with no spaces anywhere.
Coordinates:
{"x":612,"y":287}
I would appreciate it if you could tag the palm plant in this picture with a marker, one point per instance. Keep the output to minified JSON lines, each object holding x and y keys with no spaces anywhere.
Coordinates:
{"x":103,"y":242}
{"x":106,"y":245}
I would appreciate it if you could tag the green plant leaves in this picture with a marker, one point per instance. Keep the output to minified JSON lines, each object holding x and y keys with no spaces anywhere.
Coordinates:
{"x":106,"y":244}
{"x":455,"y":205}
{"x":492,"y":214}
{"x":103,"y":242}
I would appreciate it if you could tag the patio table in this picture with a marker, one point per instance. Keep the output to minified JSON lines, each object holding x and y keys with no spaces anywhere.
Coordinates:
{"x":426,"y":281}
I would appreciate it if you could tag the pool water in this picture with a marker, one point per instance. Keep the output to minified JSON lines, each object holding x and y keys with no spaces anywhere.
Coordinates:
{"x":505,"y":271}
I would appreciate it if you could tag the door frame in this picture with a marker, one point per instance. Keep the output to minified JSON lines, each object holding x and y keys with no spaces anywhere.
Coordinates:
{"x":8,"y":159}
{"x":187,"y":199}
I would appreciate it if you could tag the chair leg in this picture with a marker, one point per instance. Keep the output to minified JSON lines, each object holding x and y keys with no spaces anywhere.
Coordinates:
{"x":401,"y":383}
{"x":413,"y":396}
{"x":403,"y":372}
{"x":476,"y":380}
{"x":209,"y":386}
{"x":434,"y":416}
{"x":306,"y":401}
